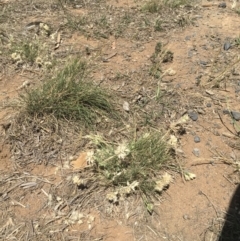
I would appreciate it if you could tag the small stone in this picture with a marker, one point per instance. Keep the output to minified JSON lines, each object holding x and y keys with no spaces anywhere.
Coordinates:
{"x":209,"y":92}
{"x":170,"y":72}
{"x":201,"y":111}
{"x":227,"y":46}
{"x":237,"y":90}
{"x":197,"y":139}
{"x":190,"y":53}
{"x":235,"y":72}
{"x":196,"y":152}
{"x":204,"y":47}
{"x":235,"y":115}
{"x":126,"y":106}
{"x":193,"y":115}
{"x":222,"y":5}
{"x":226,"y":112}
{"x":208,"y":105}
{"x":178,"y":86}
{"x":185,"y":217}
{"x":179,"y":151}
{"x":202,"y":62}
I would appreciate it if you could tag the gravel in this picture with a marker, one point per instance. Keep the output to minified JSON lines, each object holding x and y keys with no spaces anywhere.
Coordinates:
{"x":196,"y":152}
{"x":193,"y":115}
{"x":197,"y":139}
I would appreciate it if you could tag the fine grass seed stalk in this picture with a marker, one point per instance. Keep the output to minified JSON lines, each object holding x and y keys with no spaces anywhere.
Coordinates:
{"x":69,"y":96}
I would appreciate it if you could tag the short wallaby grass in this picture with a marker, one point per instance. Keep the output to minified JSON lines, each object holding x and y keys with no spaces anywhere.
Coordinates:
{"x":69,"y":95}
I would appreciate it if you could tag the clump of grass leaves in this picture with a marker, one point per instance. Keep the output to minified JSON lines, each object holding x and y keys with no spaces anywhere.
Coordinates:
{"x":69,"y":96}
{"x":141,"y":160}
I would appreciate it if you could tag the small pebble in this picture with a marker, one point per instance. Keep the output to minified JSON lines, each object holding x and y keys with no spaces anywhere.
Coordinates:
{"x":201,"y":111}
{"x":227,"y":46}
{"x":190,"y":53}
{"x":198,"y":79}
{"x":197,"y":139}
{"x":196,"y":152}
{"x":202,"y":62}
{"x":179,"y":151}
{"x":235,"y":72}
{"x":226,"y":112}
{"x":237,"y":90}
{"x":178,"y":86}
{"x":193,"y":115}
{"x":236,"y":115}
{"x":222,"y":5}
{"x":208,"y":105}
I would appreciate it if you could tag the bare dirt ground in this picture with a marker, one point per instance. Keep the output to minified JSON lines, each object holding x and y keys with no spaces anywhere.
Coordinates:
{"x":38,"y":200}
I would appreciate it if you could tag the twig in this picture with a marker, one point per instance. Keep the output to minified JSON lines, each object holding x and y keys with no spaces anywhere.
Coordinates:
{"x":218,"y":78}
{"x":109,"y":57}
{"x":221,"y":157}
{"x":182,"y":172}
{"x":204,"y":163}
{"x":229,"y":180}
{"x":18,"y":203}
{"x":209,"y":4}
{"x":202,"y":193}
{"x":225,"y":125}
{"x":152,"y":230}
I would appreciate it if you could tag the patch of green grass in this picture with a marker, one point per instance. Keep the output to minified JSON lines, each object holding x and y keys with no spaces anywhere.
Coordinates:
{"x":103,"y":29}
{"x":69,"y":96}
{"x":3,"y":17}
{"x":77,"y":24}
{"x":127,"y":18}
{"x":158,"y":25}
{"x":140,"y":160}
{"x":184,"y":20}
{"x":122,"y":25}
{"x":155,"y":6}
{"x":102,"y":22}
{"x":29,"y":51}
{"x":152,"y":6}
{"x":177,"y":3}
{"x":156,"y":71}
{"x":158,"y":48}
{"x":160,"y":55}
{"x":73,"y":22}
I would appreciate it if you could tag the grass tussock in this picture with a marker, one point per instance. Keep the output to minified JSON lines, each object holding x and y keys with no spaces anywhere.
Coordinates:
{"x":140,"y":161}
{"x":69,"y":96}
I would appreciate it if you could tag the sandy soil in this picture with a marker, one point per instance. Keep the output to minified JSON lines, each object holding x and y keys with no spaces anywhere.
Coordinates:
{"x":192,"y":210}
